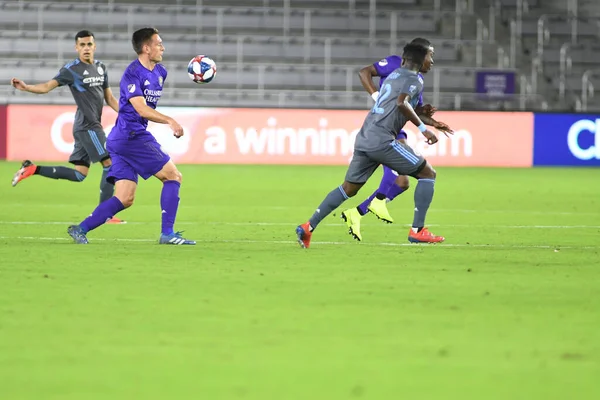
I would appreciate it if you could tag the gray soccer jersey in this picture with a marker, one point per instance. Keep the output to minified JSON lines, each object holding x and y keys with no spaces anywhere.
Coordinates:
{"x":376,"y":141}
{"x":384,"y":121}
{"x":87,"y":83}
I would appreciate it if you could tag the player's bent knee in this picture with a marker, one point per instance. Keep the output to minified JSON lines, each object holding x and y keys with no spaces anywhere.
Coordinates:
{"x":402,"y":182}
{"x":351,"y":189}
{"x":434,"y":173}
{"x":178,"y":176}
{"x":127,"y":200}
{"x":125,"y":192}
{"x":427,"y":173}
{"x":172,"y":176}
{"x":82,"y":172}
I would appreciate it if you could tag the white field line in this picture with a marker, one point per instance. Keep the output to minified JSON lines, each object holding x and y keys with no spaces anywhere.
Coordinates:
{"x":293,"y":242}
{"x":273,"y":207}
{"x":294,"y":224}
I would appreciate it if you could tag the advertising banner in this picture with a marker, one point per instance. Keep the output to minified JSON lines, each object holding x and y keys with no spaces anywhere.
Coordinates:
{"x":280,"y":136}
{"x":3,"y":129}
{"x":567,"y":139}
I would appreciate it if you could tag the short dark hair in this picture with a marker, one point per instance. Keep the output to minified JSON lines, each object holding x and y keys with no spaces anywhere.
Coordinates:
{"x":141,"y":37}
{"x":415,"y":53}
{"x":82,"y":34}
{"x":421,"y":41}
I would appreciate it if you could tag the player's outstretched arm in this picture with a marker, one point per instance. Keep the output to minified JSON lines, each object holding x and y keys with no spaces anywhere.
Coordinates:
{"x":425,"y":113}
{"x":147,"y":112}
{"x":40,"y":88}
{"x":425,"y":109}
{"x":111,"y":100}
{"x":366,"y":75}
{"x":439,"y":125}
{"x":409,"y":113}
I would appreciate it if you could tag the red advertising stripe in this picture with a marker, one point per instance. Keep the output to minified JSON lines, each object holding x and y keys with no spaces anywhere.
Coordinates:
{"x":3,"y":130}
{"x":281,"y":136}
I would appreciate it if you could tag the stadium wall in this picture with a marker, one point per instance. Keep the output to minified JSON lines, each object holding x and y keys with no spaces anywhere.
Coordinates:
{"x":321,"y":137}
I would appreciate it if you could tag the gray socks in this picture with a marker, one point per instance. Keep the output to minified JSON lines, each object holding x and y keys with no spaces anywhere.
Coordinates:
{"x":106,"y":189}
{"x":423,"y":197}
{"x":332,"y":201}
{"x":66,"y":173}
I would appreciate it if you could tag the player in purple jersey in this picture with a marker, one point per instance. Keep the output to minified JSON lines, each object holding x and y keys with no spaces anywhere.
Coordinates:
{"x":88,"y":80}
{"x":391,"y":184}
{"x":134,"y":151}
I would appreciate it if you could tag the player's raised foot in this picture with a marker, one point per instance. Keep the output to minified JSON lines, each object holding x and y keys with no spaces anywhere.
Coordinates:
{"x":175,"y":238}
{"x":304,"y":234}
{"x":116,"y":221}
{"x":352,"y":218}
{"x":77,"y":234}
{"x":424,"y":236}
{"x":379,"y":208}
{"x":27,"y":169}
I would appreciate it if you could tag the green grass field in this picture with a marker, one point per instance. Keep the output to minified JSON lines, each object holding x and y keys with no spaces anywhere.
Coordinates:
{"x":507,"y":308}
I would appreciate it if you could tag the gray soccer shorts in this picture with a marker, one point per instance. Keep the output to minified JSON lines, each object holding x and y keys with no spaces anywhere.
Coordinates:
{"x":90,"y":147}
{"x":397,"y":156}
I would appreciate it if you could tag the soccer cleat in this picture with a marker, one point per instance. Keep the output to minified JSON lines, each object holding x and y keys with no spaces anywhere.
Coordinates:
{"x":424,"y":237}
{"x":77,"y":234}
{"x":304,"y":234}
{"x":116,"y":221}
{"x":379,"y":208}
{"x":352,"y":218}
{"x":175,"y":238}
{"x":27,"y":169}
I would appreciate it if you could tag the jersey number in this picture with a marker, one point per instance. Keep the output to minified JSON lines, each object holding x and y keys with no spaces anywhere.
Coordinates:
{"x":386,"y":90}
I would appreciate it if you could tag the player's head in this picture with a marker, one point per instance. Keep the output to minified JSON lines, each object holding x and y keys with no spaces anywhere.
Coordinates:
{"x":413,"y":56}
{"x":85,"y":45}
{"x":146,"y":42}
{"x":430,"y":52}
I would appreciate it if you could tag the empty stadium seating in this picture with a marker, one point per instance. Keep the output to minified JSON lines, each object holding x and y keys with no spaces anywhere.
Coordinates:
{"x":290,"y":51}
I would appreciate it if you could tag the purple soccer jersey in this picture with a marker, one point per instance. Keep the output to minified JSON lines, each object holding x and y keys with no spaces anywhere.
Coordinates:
{"x":133,"y":150}
{"x":384,"y":68}
{"x":136,"y":81}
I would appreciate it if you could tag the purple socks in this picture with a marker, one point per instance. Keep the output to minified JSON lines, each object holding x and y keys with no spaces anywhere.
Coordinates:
{"x":169,"y":202}
{"x":387,"y":187}
{"x":105,"y":211}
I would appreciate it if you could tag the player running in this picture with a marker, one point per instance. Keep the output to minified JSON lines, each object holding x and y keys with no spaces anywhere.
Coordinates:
{"x":392,"y":184}
{"x":376,"y":144}
{"x":134,"y":151}
{"x":88,"y":80}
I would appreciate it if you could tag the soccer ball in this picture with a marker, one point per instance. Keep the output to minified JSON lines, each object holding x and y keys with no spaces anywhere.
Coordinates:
{"x":202,"y":69}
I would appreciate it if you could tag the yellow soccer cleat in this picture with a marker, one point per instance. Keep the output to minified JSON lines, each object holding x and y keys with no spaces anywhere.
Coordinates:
{"x":352,"y":218}
{"x":379,"y":208}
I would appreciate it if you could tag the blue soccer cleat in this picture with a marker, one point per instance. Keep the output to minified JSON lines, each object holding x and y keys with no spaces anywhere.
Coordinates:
{"x":175,"y":238}
{"x":77,"y":234}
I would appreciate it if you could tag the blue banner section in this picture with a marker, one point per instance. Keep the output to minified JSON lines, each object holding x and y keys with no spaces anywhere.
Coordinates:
{"x":566,"y":139}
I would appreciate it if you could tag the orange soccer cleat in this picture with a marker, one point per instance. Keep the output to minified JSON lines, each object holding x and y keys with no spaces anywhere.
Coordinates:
{"x":116,"y":221}
{"x":27,"y":169}
{"x":304,"y":234}
{"x":424,"y":236}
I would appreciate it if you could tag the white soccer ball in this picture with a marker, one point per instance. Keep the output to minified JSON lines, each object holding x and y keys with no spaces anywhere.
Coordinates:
{"x":202,"y":69}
